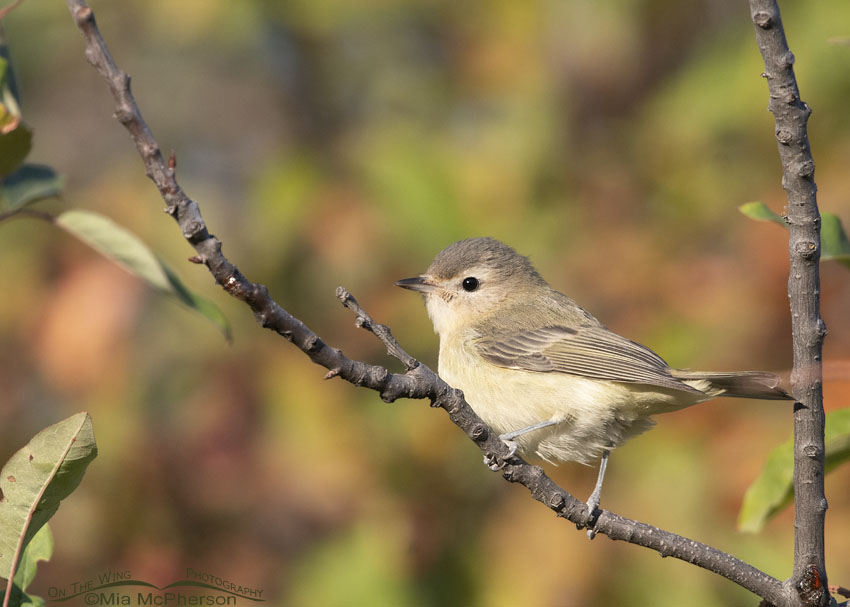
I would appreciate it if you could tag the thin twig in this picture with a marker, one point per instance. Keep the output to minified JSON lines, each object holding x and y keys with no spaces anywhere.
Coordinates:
{"x":418,"y":381}
{"x":9,"y":8}
{"x":382,"y":332}
{"x":809,"y":579}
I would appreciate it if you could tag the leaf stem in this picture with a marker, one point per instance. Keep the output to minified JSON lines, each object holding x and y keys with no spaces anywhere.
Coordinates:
{"x":32,"y":213}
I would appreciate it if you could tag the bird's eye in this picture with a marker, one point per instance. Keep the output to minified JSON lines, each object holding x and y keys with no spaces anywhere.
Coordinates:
{"x":470,"y":283}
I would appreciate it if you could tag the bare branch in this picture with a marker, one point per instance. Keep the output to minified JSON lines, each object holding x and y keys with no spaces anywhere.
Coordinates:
{"x":9,"y":8}
{"x":808,"y":330}
{"x":418,"y":381}
{"x":382,"y":332}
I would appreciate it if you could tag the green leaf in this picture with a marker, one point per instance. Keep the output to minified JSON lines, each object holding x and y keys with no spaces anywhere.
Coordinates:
{"x":835,"y":246}
{"x":30,"y":183}
{"x":833,"y":239}
{"x":36,"y":479}
{"x":774,"y":488}
{"x":113,"y":241}
{"x":28,"y":600}
{"x":4,"y":66}
{"x":837,"y":439}
{"x":771,"y":491}
{"x":22,"y":599}
{"x":14,"y":144}
{"x":196,"y":302}
{"x":761,"y":212}
{"x":40,"y":548}
{"x":123,"y":247}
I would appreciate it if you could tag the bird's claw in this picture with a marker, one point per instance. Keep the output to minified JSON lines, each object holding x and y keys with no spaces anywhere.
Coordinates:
{"x":492,"y":462}
{"x":495,"y":463}
{"x":593,"y":514}
{"x":512,"y":446}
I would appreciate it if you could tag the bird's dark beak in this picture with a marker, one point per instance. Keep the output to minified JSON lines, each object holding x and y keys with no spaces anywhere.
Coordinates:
{"x":420,"y":283}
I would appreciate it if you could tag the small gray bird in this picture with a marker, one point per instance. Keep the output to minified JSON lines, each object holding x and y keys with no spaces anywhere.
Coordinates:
{"x":543,"y":372}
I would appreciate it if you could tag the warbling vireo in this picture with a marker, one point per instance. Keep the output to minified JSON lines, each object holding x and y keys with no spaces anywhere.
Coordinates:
{"x":543,"y":372}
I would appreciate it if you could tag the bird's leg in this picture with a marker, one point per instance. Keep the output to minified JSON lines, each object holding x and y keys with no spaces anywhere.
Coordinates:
{"x":593,"y":500}
{"x":596,"y":496}
{"x":508,"y":439}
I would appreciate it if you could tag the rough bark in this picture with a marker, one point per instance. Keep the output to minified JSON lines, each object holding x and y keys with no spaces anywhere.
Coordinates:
{"x":791,"y":114}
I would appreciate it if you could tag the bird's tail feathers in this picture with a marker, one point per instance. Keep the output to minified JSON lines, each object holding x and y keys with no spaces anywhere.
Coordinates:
{"x":741,"y":384}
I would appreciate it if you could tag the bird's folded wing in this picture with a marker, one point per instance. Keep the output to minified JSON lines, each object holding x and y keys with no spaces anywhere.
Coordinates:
{"x":592,"y":352}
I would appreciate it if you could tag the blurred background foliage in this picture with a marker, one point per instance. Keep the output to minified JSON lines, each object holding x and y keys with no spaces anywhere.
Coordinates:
{"x":337,"y":142}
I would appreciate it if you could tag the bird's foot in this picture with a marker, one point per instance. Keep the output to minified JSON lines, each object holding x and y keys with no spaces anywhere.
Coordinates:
{"x":511,"y":444}
{"x":593,"y":503}
{"x":495,"y":463}
{"x":492,"y":462}
{"x":595,"y":498}
{"x":593,"y":514}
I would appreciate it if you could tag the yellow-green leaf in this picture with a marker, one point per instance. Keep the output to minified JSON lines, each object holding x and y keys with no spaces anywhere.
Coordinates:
{"x":126,"y":249}
{"x":15,"y":144}
{"x":39,"y":548}
{"x":30,"y":183}
{"x":761,"y":212}
{"x":37,"y":478}
{"x":773,"y":490}
{"x":834,"y":243}
{"x":835,"y":246}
